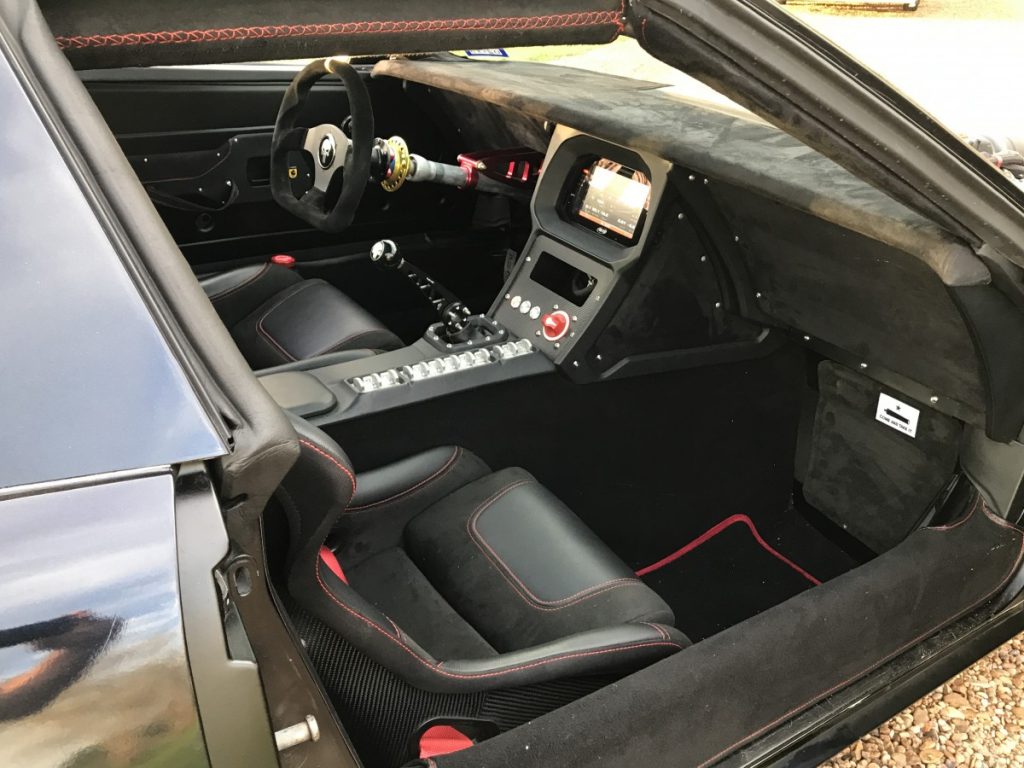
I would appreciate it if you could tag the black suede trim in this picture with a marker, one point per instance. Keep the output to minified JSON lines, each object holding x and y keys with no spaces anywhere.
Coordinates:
{"x":399,"y":589}
{"x":712,"y":141}
{"x":875,"y":482}
{"x":112,"y":33}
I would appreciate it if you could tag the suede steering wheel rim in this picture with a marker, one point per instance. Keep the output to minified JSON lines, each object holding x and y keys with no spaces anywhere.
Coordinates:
{"x":341,"y":164}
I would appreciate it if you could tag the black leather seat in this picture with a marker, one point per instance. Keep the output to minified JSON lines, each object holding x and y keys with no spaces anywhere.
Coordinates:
{"x":277,"y":317}
{"x":460,"y":579}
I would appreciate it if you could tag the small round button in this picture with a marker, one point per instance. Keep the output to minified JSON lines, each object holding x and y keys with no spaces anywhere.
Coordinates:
{"x":555,"y":325}
{"x":535,"y":313}
{"x":525,"y":306}
{"x":516,"y":301}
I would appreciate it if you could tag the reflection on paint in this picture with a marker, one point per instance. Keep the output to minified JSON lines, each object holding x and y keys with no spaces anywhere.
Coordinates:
{"x":93,"y":669}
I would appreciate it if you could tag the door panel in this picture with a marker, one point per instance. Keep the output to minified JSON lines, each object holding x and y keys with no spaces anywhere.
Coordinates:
{"x":191,"y":131}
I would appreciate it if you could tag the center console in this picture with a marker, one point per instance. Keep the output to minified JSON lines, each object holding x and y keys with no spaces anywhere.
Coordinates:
{"x":592,"y":211}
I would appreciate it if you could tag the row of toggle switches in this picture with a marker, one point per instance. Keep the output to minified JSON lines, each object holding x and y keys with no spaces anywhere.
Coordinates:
{"x":440,"y":366}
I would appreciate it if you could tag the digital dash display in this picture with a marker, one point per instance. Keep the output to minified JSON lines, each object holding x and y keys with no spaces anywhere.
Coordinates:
{"x":612,"y":200}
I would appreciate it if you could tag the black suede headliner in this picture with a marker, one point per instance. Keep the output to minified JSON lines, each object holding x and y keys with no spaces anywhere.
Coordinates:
{"x":120,"y":33}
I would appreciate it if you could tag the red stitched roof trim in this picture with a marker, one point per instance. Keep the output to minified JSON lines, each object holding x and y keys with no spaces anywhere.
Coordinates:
{"x":234,"y":34}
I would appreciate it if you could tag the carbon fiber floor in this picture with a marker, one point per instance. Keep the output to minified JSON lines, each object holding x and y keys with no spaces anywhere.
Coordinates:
{"x":384,"y":715}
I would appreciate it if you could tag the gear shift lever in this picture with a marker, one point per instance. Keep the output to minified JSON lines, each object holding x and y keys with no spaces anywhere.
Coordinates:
{"x":458,"y":325}
{"x":385,"y":253}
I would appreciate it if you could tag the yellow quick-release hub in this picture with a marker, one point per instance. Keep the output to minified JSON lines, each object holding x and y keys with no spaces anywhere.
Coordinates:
{"x":399,"y":166}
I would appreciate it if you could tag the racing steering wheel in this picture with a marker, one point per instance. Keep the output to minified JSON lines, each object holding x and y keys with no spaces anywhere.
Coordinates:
{"x":341,"y":164}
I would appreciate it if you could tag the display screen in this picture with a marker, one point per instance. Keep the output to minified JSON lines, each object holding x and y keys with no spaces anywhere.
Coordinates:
{"x":612,"y":199}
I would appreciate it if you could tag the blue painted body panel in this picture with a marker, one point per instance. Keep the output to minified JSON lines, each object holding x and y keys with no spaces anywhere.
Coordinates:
{"x":87,"y":382}
{"x":93,"y":670}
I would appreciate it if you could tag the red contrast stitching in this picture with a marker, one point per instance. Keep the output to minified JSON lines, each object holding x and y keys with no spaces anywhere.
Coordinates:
{"x":335,"y":461}
{"x":961,"y":521}
{"x":517,"y":585}
{"x":898,"y":651}
{"x":234,"y":34}
{"x":717,"y":529}
{"x":240,"y":286}
{"x":477,"y":675}
{"x":445,"y":469}
{"x":658,"y":629}
{"x":263,"y":331}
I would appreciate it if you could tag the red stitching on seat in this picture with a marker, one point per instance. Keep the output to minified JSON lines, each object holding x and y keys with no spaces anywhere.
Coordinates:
{"x":517,"y":585}
{"x":266,"y":334}
{"x":334,"y":460}
{"x":240,"y":286}
{"x":658,"y":629}
{"x":480,"y":675}
{"x":1013,"y":568}
{"x":445,"y":469}
{"x":234,"y":34}
{"x":717,"y":529}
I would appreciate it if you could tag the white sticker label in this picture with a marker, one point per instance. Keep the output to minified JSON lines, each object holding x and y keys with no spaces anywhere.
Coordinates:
{"x":899,"y":416}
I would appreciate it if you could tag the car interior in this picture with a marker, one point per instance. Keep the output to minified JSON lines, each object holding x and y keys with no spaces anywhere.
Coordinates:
{"x":609,"y":401}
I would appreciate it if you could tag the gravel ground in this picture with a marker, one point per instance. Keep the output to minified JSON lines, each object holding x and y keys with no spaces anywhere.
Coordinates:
{"x":974,"y":720}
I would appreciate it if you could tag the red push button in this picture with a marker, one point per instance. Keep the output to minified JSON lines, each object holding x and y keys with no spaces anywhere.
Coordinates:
{"x":554,"y":325}
{"x":283,"y":260}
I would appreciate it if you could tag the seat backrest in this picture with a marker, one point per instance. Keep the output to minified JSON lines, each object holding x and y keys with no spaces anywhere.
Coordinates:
{"x":314,"y":495}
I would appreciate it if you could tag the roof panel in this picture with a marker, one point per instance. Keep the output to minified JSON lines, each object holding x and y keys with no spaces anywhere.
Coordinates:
{"x":117,"y":33}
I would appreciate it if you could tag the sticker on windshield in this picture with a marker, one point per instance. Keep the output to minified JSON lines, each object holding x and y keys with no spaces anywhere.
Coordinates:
{"x":499,"y":53}
{"x":900,"y":416}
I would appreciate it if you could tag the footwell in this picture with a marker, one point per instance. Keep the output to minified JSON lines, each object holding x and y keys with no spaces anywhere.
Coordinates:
{"x":727,"y":574}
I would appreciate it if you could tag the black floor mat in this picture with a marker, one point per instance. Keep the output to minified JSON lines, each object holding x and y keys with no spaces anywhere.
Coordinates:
{"x":727,"y":574}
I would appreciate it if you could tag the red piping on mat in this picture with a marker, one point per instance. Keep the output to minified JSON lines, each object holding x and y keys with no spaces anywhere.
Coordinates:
{"x":712,"y":532}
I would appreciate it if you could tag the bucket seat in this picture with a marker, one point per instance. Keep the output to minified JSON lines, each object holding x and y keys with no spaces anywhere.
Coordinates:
{"x":461,"y":579}
{"x":277,"y":317}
